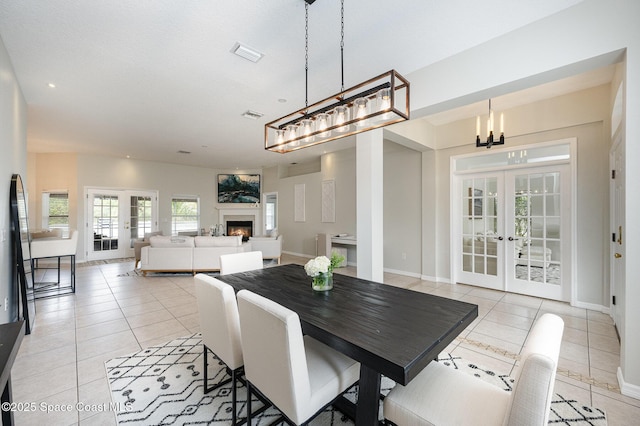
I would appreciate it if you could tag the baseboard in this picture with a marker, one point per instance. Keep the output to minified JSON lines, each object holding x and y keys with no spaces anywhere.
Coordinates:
{"x":308,"y":256}
{"x":627,"y":388}
{"x":591,"y":306}
{"x":403,"y":273}
{"x":435,"y":279}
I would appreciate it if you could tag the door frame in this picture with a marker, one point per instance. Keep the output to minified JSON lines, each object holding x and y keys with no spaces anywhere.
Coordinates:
{"x":617,"y":219}
{"x":124,"y":227}
{"x":454,"y":176}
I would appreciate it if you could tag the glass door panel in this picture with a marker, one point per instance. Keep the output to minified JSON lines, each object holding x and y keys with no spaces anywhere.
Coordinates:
{"x":141,"y":222}
{"x":480,"y":222}
{"x":105,"y":220}
{"x":538,"y":232}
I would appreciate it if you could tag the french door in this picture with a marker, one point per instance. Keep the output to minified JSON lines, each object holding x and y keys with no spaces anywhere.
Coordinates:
{"x":116,"y":218}
{"x":481,"y":223}
{"x":514,"y":230}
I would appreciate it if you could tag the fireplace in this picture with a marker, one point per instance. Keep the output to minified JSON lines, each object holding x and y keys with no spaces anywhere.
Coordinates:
{"x":240,"y":227}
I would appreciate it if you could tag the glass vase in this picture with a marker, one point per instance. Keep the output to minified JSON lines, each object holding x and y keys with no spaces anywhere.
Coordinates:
{"x":323,"y":281}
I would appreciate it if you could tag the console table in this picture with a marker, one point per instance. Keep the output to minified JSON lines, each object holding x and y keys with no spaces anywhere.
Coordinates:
{"x":11,"y":335}
{"x":54,"y":248}
{"x":326,"y":244}
{"x":349,"y":240}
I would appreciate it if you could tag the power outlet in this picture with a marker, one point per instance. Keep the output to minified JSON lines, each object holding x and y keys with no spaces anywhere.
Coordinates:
{"x":404,"y":256}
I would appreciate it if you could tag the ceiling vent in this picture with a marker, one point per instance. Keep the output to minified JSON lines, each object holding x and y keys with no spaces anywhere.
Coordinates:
{"x":184,"y":152}
{"x":252,"y":115}
{"x":246,"y":52}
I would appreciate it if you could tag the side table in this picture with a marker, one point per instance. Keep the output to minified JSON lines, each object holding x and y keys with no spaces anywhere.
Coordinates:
{"x":11,"y":335}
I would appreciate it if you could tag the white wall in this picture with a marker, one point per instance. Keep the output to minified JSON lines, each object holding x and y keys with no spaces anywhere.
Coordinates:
{"x":77,"y":172}
{"x":56,"y":171}
{"x":584,"y":115}
{"x":402,"y":206}
{"x":591,"y":34}
{"x":300,"y":237}
{"x":13,"y":145}
{"x":402,"y":209}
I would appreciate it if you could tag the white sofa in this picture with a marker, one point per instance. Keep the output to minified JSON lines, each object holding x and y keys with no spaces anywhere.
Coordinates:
{"x":188,"y":254}
{"x":271,"y":247}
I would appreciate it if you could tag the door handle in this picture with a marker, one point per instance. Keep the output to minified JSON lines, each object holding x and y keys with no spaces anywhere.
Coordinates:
{"x":617,"y":255}
{"x":512,"y":239}
{"x":619,"y":235}
{"x":500,"y":238}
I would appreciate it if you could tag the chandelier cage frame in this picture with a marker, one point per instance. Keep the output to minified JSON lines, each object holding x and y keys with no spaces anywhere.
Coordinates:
{"x":396,"y":111}
{"x":377,"y":102}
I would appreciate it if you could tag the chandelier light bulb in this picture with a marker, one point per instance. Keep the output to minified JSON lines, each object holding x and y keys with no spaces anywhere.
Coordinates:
{"x":305,"y":128}
{"x":383,"y":99}
{"x":290,"y":132}
{"x":279,"y":136}
{"x":323,"y":122}
{"x":360,"y":111}
{"x":341,"y":116}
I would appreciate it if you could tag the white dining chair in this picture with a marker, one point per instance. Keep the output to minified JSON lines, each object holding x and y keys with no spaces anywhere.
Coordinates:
{"x":240,"y":262}
{"x":220,"y":329}
{"x":299,"y":375}
{"x":440,"y":395}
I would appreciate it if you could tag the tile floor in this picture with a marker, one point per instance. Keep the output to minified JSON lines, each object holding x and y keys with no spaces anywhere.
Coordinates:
{"x":61,"y":363}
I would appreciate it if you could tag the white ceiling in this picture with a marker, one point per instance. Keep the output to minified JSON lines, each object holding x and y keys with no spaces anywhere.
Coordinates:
{"x":150,"y":78}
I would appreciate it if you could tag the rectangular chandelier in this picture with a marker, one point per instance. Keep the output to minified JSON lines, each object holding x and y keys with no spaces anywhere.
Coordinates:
{"x":377,"y":102}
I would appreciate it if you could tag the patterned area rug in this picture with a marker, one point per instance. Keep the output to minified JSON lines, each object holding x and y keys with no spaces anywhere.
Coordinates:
{"x":536,"y":273}
{"x":163,"y":385}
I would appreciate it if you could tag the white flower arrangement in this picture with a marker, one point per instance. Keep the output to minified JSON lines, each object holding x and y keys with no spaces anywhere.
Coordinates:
{"x":317,"y":266}
{"x":323,"y":265}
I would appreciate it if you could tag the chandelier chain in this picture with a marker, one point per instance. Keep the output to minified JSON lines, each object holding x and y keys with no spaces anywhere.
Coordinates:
{"x":306,"y":55}
{"x":342,"y":44}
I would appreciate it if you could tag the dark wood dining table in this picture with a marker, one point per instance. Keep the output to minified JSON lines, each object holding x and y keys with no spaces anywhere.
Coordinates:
{"x":391,"y":331}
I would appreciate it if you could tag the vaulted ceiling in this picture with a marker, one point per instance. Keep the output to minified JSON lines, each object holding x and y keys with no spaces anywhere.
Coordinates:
{"x":149,"y":79}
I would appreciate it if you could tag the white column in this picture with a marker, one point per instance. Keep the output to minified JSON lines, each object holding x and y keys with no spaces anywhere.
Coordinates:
{"x":369,"y":189}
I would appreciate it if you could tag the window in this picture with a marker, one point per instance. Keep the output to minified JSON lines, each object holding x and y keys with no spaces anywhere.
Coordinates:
{"x":141,"y":215}
{"x":55,"y":211}
{"x":185,"y":215}
{"x":271,"y":211}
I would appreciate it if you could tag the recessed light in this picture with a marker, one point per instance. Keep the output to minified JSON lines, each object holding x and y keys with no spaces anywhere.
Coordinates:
{"x":53,"y":86}
{"x":282,"y":100}
{"x":246,"y":52}
{"x":253,"y":115}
